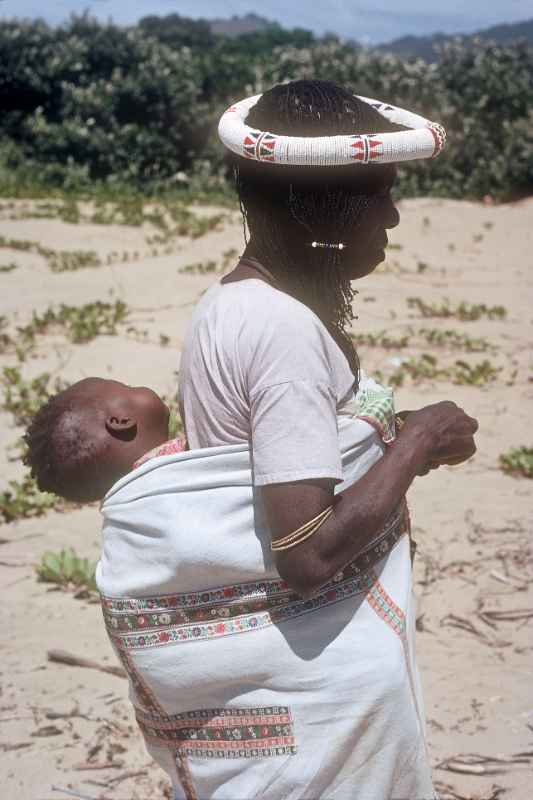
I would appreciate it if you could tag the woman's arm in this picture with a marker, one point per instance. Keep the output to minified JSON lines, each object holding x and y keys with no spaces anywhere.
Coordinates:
{"x":440,"y":433}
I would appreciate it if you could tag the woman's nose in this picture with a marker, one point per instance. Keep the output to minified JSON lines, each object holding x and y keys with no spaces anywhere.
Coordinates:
{"x":392,"y":216}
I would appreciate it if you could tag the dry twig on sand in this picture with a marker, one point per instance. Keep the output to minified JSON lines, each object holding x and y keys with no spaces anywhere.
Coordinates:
{"x":475,"y":764}
{"x":63,"y":657}
{"x":512,"y":615}
{"x":448,"y":792}
{"x":79,"y":795}
{"x":465,"y":625}
{"x":8,"y":748}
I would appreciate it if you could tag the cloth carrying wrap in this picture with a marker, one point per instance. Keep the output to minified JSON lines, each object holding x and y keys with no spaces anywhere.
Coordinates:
{"x":242,"y":688}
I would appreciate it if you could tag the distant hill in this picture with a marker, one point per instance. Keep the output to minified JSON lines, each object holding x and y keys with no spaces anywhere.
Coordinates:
{"x":237,"y":26}
{"x":427,"y":47}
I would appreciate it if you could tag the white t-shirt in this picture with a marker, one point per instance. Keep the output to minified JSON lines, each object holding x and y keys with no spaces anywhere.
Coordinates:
{"x":259,"y":367}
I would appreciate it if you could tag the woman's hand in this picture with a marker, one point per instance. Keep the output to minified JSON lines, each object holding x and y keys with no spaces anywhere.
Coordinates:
{"x":445,"y":432}
{"x":440,"y":434}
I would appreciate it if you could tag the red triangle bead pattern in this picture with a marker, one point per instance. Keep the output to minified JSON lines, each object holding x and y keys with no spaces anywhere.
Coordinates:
{"x":367,"y":148}
{"x":259,"y":146}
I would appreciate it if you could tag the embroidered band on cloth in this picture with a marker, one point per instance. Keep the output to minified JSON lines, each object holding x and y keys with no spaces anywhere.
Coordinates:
{"x":138,"y":623}
{"x":223,"y":732}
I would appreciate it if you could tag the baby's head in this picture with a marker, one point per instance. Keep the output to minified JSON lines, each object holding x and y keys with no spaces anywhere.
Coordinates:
{"x":88,"y":436}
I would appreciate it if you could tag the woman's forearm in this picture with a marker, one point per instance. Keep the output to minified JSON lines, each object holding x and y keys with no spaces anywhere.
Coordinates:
{"x":360,"y":511}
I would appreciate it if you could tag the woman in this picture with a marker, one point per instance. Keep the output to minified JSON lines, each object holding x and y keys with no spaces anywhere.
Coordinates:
{"x":319,"y":696}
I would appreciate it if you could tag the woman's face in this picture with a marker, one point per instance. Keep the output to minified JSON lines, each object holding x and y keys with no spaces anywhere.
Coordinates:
{"x":366,"y":248}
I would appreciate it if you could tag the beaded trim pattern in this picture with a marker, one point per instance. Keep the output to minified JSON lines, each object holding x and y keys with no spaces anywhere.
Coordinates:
{"x":386,"y":608}
{"x":424,"y":139}
{"x":393,"y":616}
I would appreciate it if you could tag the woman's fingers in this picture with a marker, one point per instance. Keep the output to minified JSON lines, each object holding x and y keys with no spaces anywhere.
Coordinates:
{"x":458,"y":452}
{"x":448,"y":432}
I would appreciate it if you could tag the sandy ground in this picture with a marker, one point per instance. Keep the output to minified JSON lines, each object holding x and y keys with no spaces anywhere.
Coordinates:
{"x":72,"y":727}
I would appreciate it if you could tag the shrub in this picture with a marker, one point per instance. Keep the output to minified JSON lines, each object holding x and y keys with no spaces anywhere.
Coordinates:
{"x":136,"y":106}
{"x":99,"y":101}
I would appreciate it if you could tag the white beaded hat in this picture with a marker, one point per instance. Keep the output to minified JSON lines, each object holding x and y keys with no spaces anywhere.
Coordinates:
{"x":424,"y":139}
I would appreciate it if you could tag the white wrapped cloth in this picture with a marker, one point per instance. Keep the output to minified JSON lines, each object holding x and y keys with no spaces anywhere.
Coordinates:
{"x":243,"y":689}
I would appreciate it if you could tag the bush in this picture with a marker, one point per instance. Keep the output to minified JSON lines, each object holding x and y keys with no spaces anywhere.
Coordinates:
{"x":134,"y":106}
{"x":99,"y":101}
{"x":482,"y":94}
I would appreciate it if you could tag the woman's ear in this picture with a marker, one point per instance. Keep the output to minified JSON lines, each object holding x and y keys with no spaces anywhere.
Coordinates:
{"x":121,"y":427}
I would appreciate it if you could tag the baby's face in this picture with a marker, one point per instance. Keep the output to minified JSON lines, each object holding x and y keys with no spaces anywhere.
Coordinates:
{"x":127,"y":421}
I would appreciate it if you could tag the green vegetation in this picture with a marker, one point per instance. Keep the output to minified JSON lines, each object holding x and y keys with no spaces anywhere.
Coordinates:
{"x":8,"y":267}
{"x":23,"y":499}
{"x":95,"y":109}
{"x":67,"y":570}
{"x":381,"y":339}
{"x":5,"y":339}
{"x":22,"y":397}
{"x":78,"y":323}
{"x":480,"y":374}
{"x":204,"y":267}
{"x":58,"y":260}
{"x":518,"y":461}
{"x":199,"y":267}
{"x":66,"y":210}
{"x":466,"y":312}
{"x":451,"y":339}
{"x":426,"y":367}
{"x":455,"y":340}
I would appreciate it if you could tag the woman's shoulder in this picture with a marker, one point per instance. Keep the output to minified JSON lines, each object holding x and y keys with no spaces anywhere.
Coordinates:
{"x":258,"y":301}
{"x":267,"y":325}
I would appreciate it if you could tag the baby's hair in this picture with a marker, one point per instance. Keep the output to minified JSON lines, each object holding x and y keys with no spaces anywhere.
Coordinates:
{"x":62,"y":459}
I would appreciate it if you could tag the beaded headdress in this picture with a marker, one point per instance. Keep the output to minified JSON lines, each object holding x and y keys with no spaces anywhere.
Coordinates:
{"x":424,"y":139}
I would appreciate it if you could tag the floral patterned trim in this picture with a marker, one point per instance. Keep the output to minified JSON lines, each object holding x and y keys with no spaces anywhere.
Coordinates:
{"x":245,"y":622}
{"x":224,"y":732}
{"x":195,"y":600}
{"x":156,"y":621}
{"x":270,"y":590}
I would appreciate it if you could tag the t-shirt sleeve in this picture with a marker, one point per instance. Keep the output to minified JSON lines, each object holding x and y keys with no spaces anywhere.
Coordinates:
{"x":293,"y":402}
{"x":294,"y":433}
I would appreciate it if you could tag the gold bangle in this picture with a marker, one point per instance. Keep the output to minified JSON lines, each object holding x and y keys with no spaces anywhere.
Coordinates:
{"x":301,"y":537}
{"x":305,"y":527}
{"x":302,"y":533}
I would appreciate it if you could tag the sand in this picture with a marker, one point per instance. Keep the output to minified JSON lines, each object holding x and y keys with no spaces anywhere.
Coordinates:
{"x":73,"y":727}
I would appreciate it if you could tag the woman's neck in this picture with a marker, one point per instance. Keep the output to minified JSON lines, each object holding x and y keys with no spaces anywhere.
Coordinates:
{"x":250,"y":267}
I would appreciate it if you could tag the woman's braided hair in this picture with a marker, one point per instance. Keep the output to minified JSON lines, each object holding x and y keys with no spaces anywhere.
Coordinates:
{"x":287,"y":207}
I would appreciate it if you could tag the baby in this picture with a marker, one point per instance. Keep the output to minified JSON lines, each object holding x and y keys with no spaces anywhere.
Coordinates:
{"x":87,"y":437}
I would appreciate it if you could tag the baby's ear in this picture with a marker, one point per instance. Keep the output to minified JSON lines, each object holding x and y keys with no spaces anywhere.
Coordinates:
{"x":121,"y":427}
